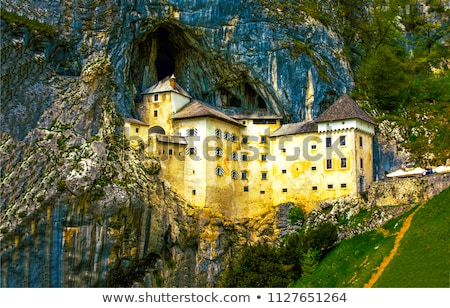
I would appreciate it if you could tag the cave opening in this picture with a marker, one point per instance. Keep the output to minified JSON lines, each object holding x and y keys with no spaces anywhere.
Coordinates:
{"x":165,"y":54}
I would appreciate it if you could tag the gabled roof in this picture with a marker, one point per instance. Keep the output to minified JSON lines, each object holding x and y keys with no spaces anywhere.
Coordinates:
{"x":164,"y":85}
{"x":344,"y":108}
{"x":197,"y":109}
{"x":295,"y":128}
{"x":135,"y":121}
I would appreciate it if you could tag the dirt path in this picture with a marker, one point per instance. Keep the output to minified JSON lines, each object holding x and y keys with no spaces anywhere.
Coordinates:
{"x":394,"y":250}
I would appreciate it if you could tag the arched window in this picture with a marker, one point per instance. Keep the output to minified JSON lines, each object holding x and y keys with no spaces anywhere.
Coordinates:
{"x":219,"y":152}
{"x":218,"y":133}
{"x":234,"y":175}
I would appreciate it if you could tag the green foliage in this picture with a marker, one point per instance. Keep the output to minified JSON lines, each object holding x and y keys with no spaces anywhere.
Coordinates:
{"x":61,"y":185}
{"x":296,"y":214}
{"x":13,"y":17}
{"x":263,"y":265}
{"x":257,"y":266}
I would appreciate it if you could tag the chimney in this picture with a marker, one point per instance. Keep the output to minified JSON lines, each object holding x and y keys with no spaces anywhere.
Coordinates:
{"x":172,"y":81}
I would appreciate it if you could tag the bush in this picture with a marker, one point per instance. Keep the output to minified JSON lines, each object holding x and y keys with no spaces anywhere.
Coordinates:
{"x":296,"y":214}
{"x":257,"y":266}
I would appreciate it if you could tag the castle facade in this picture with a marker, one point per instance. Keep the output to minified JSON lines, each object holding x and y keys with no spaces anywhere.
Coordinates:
{"x":243,"y":164}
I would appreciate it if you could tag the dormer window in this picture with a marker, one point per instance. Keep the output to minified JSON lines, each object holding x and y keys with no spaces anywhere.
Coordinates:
{"x":156,"y":97}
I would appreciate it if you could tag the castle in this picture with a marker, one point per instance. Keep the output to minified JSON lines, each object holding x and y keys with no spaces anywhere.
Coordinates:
{"x":243,"y":164}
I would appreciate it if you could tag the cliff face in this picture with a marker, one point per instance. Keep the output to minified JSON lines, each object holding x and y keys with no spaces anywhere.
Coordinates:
{"x":78,"y":207}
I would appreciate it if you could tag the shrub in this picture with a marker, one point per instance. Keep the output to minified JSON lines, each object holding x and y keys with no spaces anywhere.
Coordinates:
{"x":296,"y":214}
{"x":257,"y":266}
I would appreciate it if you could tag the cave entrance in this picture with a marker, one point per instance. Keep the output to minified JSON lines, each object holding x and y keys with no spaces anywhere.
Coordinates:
{"x":165,"y":54}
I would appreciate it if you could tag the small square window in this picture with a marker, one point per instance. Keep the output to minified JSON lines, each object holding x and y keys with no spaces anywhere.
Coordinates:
{"x":284,"y":171}
{"x":193,"y":192}
{"x":329,"y":164}
{"x":137,"y":130}
{"x":314,"y":188}
{"x":264,"y":157}
{"x":330,"y":186}
{"x":262,"y":192}
{"x":343,"y":185}
{"x":313,"y":146}
{"x":170,"y":151}
{"x":263,"y":139}
{"x":244,"y":140}
{"x":313,"y":168}
{"x":264,"y":175}
{"x":156,"y":98}
{"x":341,"y":140}
{"x":244,"y":157}
{"x":344,"y":162}
{"x":284,"y":190}
{"x":244,"y":175}
{"x":328,"y":142}
{"x":246,"y":188}
{"x":155,"y":113}
{"x":283,"y":150}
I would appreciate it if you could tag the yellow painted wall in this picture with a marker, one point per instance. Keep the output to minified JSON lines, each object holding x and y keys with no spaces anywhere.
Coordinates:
{"x":136,"y":133}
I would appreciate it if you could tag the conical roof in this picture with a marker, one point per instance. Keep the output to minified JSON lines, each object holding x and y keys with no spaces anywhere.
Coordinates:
{"x":165,"y":85}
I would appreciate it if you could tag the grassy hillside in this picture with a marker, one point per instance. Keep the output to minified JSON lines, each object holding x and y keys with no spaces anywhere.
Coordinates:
{"x":422,"y":259}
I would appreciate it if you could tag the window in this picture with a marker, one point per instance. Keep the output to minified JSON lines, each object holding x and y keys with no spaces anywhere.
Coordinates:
{"x":244,"y":157}
{"x":155,"y":113}
{"x":265,"y":121}
{"x":283,"y":171}
{"x":313,"y":168}
{"x":246,"y":188}
{"x":341,"y":140}
{"x":170,"y":151}
{"x":343,"y":185}
{"x":263,"y":157}
{"x":137,"y":130}
{"x":219,"y":171}
{"x":329,"y":164}
{"x":264,"y":175}
{"x":360,"y":141}
{"x":262,"y":192}
{"x":193,"y":192}
{"x":284,"y":190}
{"x":218,"y":133}
{"x":263,"y":139}
{"x":361,"y":163}
{"x":328,"y":142}
{"x":191,"y":151}
{"x":244,"y":140}
{"x":191,"y":132}
{"x":234,"y":138}
{"x":234,"y":156}
{"x":330,"y":186}
{"x":314,"y":188}
{"x":244,"y":122}
{"x":219,"y":152}
{"x":234,"y":175}
{"x":244,"y":175}
{"x":344,"y":162}
{"x":156,"y":98}
{"x":283,"y":150}
{"x":226,"y":135}
{"x":313,"y":146}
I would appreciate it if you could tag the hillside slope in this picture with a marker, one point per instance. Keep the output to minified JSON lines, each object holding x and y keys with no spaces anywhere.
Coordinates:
{"x":421,"y":259}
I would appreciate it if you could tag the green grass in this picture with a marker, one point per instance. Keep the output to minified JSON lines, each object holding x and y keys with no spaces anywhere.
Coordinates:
{"x":422,"y":259}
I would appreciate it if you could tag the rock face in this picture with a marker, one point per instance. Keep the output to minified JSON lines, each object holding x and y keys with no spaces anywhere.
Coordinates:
{"x":78,"y":207}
